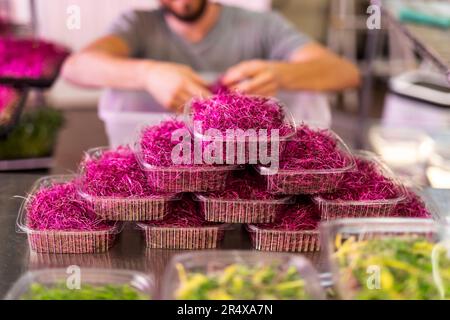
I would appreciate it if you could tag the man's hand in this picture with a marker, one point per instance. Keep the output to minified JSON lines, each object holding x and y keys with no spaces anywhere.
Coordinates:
{"x":253,"y":77}
{"x":173,"y":85}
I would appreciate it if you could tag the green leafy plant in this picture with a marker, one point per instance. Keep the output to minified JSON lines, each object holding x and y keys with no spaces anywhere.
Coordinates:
{"x":405,"y":269}
{"x":34,"y":136}
{"x":86,"y":292}
{"x":242,"y":282}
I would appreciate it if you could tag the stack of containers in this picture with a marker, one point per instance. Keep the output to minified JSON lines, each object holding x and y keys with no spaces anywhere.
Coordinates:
{"x":339,"y":209}
{"x":326,"y":187}
{"x":296,"y":230}
{"x":324,"y":193}
{"x":204,"y":183}
{"x":189,"y":206}
{"x":245,"y":199}
{"x":119,"y":207}
{"x":184,"y":227}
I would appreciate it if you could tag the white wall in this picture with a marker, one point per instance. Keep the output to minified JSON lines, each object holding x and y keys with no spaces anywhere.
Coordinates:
{"x":96,"y":15}
{"x":19,"y":11}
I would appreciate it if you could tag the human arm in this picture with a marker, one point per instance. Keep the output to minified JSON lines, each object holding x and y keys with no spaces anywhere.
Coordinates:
{"x":311,"y":67}
{"x":107,"y":62}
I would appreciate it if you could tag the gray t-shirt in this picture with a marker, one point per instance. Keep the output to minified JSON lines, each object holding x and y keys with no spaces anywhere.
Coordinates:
{"x":238,"y":35}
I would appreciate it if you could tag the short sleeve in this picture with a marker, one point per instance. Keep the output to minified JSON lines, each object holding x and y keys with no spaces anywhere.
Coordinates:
{"x":126,"y":26}
{"x":281,"y":37}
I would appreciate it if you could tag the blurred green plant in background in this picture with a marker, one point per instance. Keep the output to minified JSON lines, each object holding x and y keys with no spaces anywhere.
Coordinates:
{"x":34,"y":135}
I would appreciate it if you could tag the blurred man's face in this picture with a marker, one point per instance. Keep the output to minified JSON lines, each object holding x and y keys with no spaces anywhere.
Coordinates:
{"x":185,"y":10}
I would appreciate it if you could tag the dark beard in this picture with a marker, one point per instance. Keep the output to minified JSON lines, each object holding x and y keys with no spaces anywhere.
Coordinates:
{"x":188,"y":18}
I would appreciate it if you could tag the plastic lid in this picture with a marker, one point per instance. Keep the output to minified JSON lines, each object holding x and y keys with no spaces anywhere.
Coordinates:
{"x":139,"y":281}
{"x":46,"y":181}
{"x":210,"y":261}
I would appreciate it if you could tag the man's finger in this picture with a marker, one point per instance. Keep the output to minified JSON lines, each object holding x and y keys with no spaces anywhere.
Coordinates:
{"x":268,"y":90}
{"x":178,"y":104}
{"x":185,"y":97}
{"x":241,"y":72}
{"x":197,"y":79}
{"x":197,"y":90}
{"x":253,"y":84}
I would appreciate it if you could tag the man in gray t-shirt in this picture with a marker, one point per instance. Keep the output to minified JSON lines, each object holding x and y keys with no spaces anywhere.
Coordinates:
{"x":157,"y":60}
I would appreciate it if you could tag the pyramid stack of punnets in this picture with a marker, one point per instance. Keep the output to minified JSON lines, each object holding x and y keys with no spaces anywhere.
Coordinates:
{"x":183,"y":204}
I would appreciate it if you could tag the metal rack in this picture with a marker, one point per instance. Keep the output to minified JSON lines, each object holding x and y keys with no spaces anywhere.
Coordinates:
{"x":28,"y":29}
{"x":430,"y":42}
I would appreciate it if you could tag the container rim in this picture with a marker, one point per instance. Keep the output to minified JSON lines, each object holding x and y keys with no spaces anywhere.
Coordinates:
{"x":219,"y":226}
{"x":95,"y":153}
{"x":178,"y":168}
{"x":364,"y":225}
{"x":21,"y":226}
{"x":384,"y":170}
{"x":289,"y":119}
{"x":341,"y":145}
{"x":204,"y":198}
{"x":144,"y":283}
{"x":253,"y":228}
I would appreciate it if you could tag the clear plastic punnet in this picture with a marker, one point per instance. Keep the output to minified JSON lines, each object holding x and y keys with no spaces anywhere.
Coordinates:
{"x":182,"y":238}
{"x":53,"y":241}
{"x":141,"y":286}
{"x":338,"y":209}
{"x":154,"y":207}
{"x":283,"y":240}
{"x":382,"y":258}
{"x":308,"y":181}
{"x":247,"y":144}
{"x":177,"y":179}
{"x":240,"y":275}
{"x":241,"y":211}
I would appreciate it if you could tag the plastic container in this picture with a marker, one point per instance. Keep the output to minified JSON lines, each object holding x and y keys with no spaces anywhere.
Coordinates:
{"x":49,"y":278}
{"x":284,"y":240}
{"x":338,"y":209}
{"x":49,"y":74}
{"x":51,"y":241}
{"x":194,"y":238}
{"x":39,"y":261}
{"x":243,"y":145}
{"x":45,"y":82}
{"x":216,"y":262}
{"x":241,"y":211}
{"x":305,"y":181}
{"x":185,"y":179}
{"x":426,"y":200}
{"x":335,"y":233}
{"x":127,"y":209}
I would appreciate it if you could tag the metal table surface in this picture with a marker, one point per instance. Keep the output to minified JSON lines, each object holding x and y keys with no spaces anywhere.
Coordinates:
{"x":128,"y":253}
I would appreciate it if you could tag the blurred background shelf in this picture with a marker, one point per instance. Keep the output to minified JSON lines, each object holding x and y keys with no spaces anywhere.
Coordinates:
{"x":431,"y":42}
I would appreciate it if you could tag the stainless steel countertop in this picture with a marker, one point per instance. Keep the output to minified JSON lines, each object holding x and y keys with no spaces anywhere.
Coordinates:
{"x":128,"y":253}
